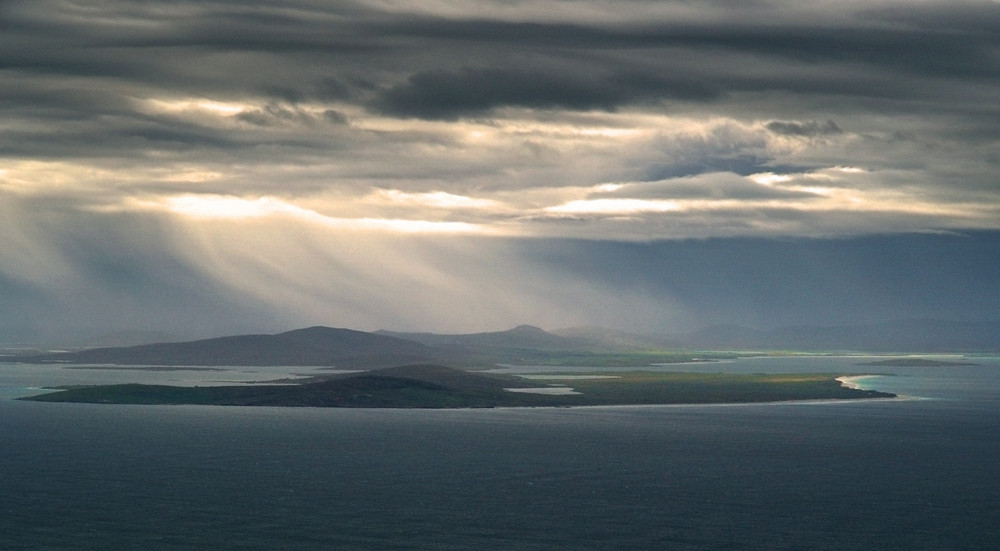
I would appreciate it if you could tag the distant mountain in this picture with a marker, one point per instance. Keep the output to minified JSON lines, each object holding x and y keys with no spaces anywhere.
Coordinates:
{"x":127,"y":338}
{"x":525,"y":344}
{"x":525,"y":337}
{"x":891,"y":336}
{"x":528,"y":345}
{"x":322,"y":346}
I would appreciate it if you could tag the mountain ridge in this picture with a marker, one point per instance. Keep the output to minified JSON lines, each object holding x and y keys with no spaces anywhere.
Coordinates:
{"x":523,"y":336}
{"x":526,"y":344}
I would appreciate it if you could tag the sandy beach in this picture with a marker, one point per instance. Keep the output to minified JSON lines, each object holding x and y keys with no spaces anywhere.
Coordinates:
{"x":853,"y":381}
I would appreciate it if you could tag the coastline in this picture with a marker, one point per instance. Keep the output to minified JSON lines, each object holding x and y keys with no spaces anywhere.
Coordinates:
{"x":854,"y":381}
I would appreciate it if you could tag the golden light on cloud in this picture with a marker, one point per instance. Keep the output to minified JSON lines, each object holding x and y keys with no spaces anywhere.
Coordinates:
{"x":223,"y":207}
{"x":615,"y":206}
{"x":218,"y":207}
{"x":197,"y":104}
{"x":54,"y":177}
{"x":408,"y":226}
{"x":219,"y":107}
{"x":607,"y":188}
{"x":827,"y":191}
{"x":769,"y":178}
{"x":436,"y":199}
{"x":517,"y":125}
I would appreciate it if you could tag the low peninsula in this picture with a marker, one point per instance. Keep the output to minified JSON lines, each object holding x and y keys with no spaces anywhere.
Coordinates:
{"x":436,"y":386}
{"x":917,"y":362}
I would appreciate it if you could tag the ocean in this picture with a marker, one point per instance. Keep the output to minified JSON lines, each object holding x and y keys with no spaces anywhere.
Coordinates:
{"x":917,"y":473}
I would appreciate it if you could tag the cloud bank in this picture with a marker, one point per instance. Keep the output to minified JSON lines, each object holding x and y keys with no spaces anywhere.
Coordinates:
{"x":307,"y":161}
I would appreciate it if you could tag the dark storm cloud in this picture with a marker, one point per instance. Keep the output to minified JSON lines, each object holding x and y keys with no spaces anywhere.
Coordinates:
{"x":117,"y":136}
{"x":86,"y":65}
{"x":472,"y":91}
{"x":919,"y":46}
{"x":275,"y":113}
{"x":810,"y":128}
{"x":428,"y":66}
{"x":447,"y":67}
{"x":860,"y":57}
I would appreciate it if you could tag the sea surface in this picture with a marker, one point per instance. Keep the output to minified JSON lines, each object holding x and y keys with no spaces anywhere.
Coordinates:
{"x":917,"y":473}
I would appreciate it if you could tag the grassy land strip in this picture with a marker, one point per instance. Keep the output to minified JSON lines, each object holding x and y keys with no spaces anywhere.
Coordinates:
{"x":643,"y":387}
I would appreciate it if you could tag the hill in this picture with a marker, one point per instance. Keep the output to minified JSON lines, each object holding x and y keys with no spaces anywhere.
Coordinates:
{"x":317,"y":346}
{"x":524,"y":337}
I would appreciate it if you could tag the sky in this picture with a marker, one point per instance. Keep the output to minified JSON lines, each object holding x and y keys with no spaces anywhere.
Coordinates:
{"x":220,"y":167}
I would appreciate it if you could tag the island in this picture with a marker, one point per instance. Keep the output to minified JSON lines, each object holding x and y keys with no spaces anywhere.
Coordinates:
{"x":437,"y":386}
